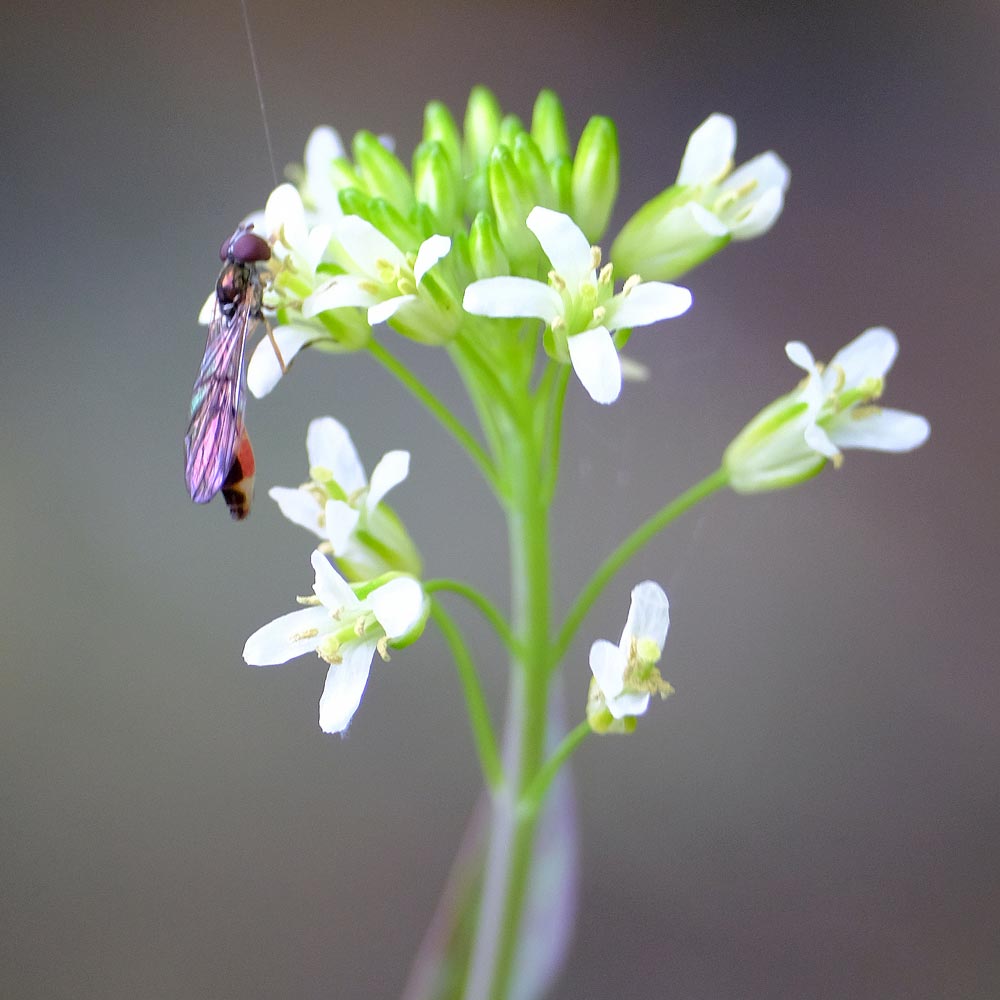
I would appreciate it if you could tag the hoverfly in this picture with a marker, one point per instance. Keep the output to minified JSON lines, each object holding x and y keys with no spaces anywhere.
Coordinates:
{"x":218,"y":451}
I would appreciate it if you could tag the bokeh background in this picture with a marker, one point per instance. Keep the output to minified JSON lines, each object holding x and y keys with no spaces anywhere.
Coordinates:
{"x":816,"y":812}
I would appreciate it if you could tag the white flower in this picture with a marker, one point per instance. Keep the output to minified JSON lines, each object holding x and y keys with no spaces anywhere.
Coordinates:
{"x":626,"y":675}
{"x":299,"y":250}
{"x":343,"y":630}
{"x":741,"y":203}
{"x":379,"y":276}
{"x":340,"y":506}
{"x":578,"y":302}
{"x":833,"y":408}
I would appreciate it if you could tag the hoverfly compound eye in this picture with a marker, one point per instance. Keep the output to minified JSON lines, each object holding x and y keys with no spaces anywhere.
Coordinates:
{"x":247,"y":248}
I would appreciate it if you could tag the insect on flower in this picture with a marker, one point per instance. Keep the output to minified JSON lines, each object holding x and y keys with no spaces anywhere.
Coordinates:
{"x":218,"y":451}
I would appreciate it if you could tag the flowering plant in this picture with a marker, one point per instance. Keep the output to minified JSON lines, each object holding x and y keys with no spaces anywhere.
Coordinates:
{"x":485,"y":248}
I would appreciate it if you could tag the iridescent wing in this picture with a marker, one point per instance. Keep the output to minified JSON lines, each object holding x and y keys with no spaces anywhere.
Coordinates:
{"x":218,"y":402}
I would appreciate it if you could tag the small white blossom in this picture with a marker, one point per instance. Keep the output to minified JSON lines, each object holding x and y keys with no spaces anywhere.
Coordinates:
{"x":741,"y":203}
{"x":832,"y":408}
{"x":378,"y":276}
{"x":578,"y":302}
{"x":626,"y":675}
{"x":343,"y":630}
{"x":340,"y":506}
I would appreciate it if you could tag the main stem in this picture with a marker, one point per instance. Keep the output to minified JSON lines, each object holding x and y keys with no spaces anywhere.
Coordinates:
{"x":512,"y":830}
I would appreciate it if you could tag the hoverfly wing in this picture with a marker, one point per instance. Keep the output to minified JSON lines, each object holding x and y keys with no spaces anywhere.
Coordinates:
{"x":218,"y":401}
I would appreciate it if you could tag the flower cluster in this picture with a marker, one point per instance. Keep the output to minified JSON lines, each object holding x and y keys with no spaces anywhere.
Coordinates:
{"x":495,"y":220}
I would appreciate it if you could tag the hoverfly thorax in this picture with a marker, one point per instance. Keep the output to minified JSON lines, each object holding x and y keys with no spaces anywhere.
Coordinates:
{"x":218,"y":452}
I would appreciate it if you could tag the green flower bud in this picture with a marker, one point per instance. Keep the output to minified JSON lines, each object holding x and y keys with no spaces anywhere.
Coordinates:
{"x":548,"y":126}
{"x":482,"y":126}
{"x":382,"y":172}
{"x":668,"y":236}
{"x":485,"y":248}
{"x":595,"y":177}
{"x":512,"y":199}
{"x":530,"y":162}
{"x":434,"y":184}
{"x":440,"y":127}
{"x":510,"y":128}
{"x":380,"y":545}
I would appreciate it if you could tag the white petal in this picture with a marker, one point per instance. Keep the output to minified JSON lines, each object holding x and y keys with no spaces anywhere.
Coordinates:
{"x":800,"y":355}
{"x":869,"y":355}
{"x":287,"y":637}
{"x":340,"y":291}
{"x":315,"y":246}
{"x":430,"y":252}
{"x":884,"y":430}
{"x":284,"y":213}
{"x":709,"y":152}
{"x":207,"y":312}
{"x":648,"y":614}
{"x":397,"y":605}
{"x":647,"y":303}
{"x":628,"y":703}
{"x":364,"y":247}
{"x":762,"y":216}
{"x":392,"y":469}
{"x":322,"y":147}
{"x":608,"y":666}
{"x":330,"y":587}
{"x":341,"y":520}
{"x":595,"y":361}
{"x":564,"y":244}
{"x":820,"y":442}
{"x":345,"y":684}
{"x":264,"y":371}
{"x":382,"y":312}
{"x":766,"y":171}
{"x":299,"y":506}
{"x":329,"y":446}
{"x":509,"y":297}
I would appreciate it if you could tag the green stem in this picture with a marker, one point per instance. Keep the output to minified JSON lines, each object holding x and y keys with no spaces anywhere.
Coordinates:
{"x":625,"y":551}
{"x":555,"y":417}
{"x":479,"y":714}
{"x":445,"y":417}
{"x":533,"y":798}
{"x":486,"y":607}
{"x":512,"y":832}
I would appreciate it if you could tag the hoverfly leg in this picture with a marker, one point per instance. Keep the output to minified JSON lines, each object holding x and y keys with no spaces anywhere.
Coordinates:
{"x":274,"y":347}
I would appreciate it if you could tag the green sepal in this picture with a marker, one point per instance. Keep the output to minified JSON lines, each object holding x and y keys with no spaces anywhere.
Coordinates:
{"x":662,"y":244}
{"x":486,"y":249}
{"x":512,"y":199}
{"x":353,"y":201}
{"x":388,"y":221}
{"x":434,"y":184}
{"x":561,"y":179}
{"x":533,"y":168}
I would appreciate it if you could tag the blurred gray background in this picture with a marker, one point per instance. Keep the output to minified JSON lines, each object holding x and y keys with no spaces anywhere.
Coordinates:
{"x":814,"y":814}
